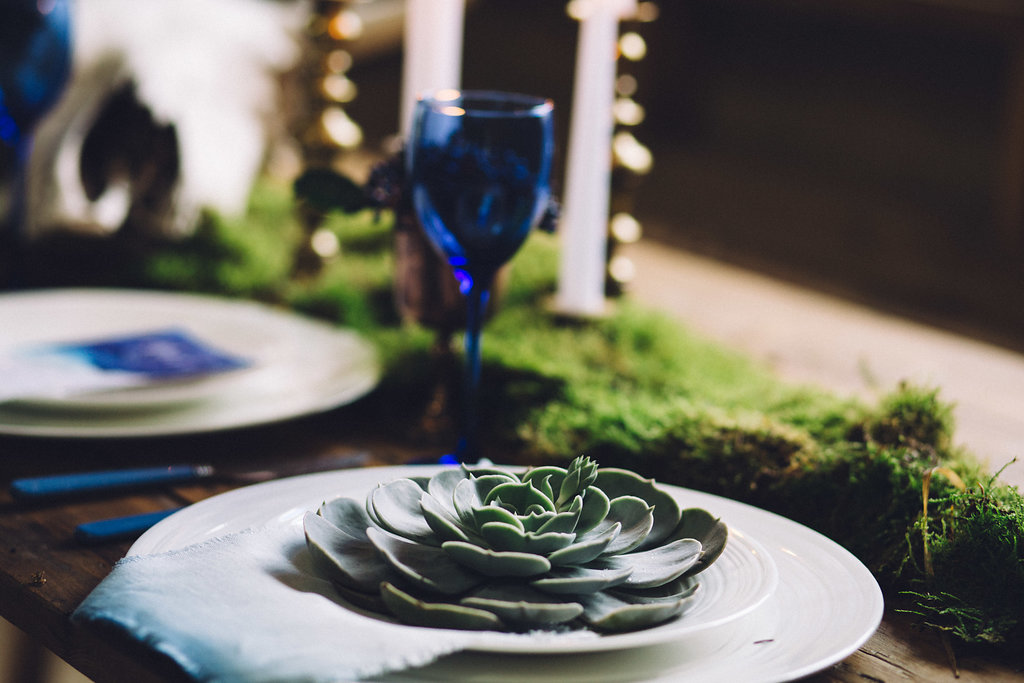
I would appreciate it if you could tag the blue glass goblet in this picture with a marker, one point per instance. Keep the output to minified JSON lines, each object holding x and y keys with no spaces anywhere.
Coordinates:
{"x":35,"y":62}
{"x":479,"y":169}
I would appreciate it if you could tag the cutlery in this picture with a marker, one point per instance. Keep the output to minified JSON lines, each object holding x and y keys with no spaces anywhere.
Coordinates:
{"x":79,"y":483}
{"x":131,"y":526}
{"x":119,"y":528}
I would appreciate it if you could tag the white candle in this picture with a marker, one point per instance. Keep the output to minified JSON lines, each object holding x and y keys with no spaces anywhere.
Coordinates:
{"x":584,"y":225}
{"x":433,"y":51}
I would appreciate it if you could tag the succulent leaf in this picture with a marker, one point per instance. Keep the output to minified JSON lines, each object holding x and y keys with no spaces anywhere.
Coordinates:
{"x":441,"y":486}
{"x":425,"y":565}
{"x":562,"y":522}
{"x":506,"y":537}
{"x":618,"y":482}
{"x":520,"y":496}
{"x":494,"y":512}
{"x":585,"y":550}
{"x":368,"y":508}
{"x":553,"y":474}
{"x":486,"y":482}
{"x":595,"y":509}
{"x":496,"y":563}
{"x":543,"y":485}
{"x":349,"y":561}
{"x":581,"y":474}
{"x":535,"y":519}
{"x":605,"y":611}
{"x":421,"y":481}
{"x":472,"y":494}
{"x":397,"y":507}
{"x":418,"y":612}
{"x":441,"y":520}
{"x":580,"y":580}
{"x":656,"y":566}
{"x":706,"y":528}
{"x":480,"y":471}
{"x":636,"y":518}
{"x":519,"y":605}
{"x":682,"y":587}
{"x":368,"y":601}
{"x":347,"y":515}
{"x":536,"y":509}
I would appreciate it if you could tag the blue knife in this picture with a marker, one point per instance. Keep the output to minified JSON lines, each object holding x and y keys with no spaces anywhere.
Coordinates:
{"x":53,"y":486}
{"x":119,"y":528}
{"x":78,"y":483}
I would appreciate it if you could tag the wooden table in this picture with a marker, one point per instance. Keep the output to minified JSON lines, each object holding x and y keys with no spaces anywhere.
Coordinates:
{"x":45,"y":574}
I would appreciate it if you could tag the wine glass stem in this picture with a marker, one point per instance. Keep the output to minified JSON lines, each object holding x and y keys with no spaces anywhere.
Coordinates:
{"x":467,"y":447}
{"x":12,"y":227}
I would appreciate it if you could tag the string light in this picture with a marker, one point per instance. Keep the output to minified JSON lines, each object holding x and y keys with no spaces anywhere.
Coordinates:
{"x":632,"y":46}
{"x":631,"y":159}
{"x":628,"y":112}
{"x":345,"y":25}
{"x":325,"y":130}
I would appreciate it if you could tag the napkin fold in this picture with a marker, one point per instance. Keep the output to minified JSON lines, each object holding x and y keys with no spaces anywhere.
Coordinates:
{"x":247,"y":607}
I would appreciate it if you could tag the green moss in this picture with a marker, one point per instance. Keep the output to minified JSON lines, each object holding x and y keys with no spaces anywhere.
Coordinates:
{"x":913,"y":417}
{"x":639,"y":390}
{"x":237,"y":257}
{"x":977,"y":590}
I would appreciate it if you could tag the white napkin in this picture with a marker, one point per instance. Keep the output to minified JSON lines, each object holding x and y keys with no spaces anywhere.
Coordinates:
{"x":247,"y":607}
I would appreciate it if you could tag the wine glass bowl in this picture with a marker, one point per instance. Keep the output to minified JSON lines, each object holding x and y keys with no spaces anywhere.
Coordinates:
{"x":481,"y":164}
{"x":479,"y":167}
{"x":34,"y":63}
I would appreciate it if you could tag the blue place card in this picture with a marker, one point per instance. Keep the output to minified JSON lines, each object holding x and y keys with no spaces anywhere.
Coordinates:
{"x":61,"y":370}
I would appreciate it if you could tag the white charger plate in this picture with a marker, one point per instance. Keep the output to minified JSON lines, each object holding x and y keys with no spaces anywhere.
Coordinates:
{"x":300,"y":366}
{"x":821,"y":605}
{"x":740,"y":580}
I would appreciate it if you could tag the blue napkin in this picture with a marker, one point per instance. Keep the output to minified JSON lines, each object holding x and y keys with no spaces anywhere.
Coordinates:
{"x":247,"y":607}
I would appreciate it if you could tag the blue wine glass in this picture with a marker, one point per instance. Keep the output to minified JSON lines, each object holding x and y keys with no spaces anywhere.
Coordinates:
{"x":35,"y":62}
{"x":479,"y":170}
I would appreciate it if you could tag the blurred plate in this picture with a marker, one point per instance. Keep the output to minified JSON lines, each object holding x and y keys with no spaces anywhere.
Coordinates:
{"x":300,"y":366}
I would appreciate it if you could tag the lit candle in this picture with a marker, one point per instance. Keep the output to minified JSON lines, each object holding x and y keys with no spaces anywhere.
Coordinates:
{"x":433,"y":51}
{"x":584,"y":225}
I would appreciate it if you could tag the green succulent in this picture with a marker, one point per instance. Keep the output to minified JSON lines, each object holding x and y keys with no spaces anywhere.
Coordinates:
{"x":486,"y":548}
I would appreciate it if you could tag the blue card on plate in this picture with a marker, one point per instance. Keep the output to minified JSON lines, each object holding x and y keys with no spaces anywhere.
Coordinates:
{"x":60,"y":370}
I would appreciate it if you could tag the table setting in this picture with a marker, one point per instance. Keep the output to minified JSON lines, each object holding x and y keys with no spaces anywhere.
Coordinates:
{"x":742,"y":624}
{"x":208,"y":484}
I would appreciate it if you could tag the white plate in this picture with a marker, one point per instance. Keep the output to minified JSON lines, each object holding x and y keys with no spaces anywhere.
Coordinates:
{"x":300,"y":366}
{"x":825,"y":605}
{"x":740,"y":580}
